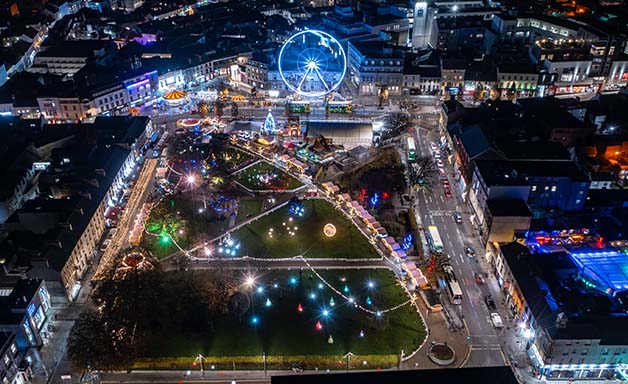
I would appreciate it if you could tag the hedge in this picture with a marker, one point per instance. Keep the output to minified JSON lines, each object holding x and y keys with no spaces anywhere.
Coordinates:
{"x":307,"y":362}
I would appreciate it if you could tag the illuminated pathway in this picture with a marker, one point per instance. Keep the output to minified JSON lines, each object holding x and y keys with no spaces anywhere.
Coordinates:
{"x":137,"y":198}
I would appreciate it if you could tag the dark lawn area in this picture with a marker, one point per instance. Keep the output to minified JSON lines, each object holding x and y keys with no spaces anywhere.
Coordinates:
{"x":283,"y":330}
{"x":264,"y":176}
{"x":308,"y":238}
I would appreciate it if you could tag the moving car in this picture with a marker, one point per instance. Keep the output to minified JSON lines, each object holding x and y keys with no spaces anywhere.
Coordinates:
{"x":112,"y":233}
{"x":469,"y":251}
{"x":436,"y":155}
{"x":490,"y":304}
{"x":447,"y":192}
{"x":496,"y":320}
{"x":478,"y":278}
{"x":440,"y":163}
{"x":458,"y":218}
{"x":433,"y":146}
{"x":105,"y":245}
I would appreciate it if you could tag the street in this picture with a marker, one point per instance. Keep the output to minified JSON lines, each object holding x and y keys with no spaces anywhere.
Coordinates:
{"x":436,"y":209}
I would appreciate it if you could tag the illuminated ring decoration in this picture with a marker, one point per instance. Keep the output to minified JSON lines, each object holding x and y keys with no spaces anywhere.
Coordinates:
{"x":311,"y":58}
{"x":329,"y":230}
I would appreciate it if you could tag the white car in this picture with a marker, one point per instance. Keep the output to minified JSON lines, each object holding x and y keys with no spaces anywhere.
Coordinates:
{"x":434,"y":146}
{"x":496,"y":320}
{"x":440,"y":163}
{"x":436,"y":155}
{"x":105,"y":245}
{"x":112,"y":232}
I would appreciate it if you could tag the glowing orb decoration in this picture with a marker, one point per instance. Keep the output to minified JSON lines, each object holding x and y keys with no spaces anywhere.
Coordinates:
{"x":329,"y":230}
{"x":312,"y":63}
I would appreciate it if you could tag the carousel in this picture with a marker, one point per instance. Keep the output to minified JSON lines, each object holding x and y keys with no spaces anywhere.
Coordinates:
{"x":176,"y":98}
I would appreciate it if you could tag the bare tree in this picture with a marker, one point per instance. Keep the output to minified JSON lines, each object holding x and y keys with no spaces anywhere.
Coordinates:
{"x":422,"y":171}
{"x":397,"y":123}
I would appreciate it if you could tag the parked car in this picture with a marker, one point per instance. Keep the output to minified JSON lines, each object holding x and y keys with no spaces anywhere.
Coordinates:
{"x":437,"y":155}
{"x":445,"y":182}
{"x":434,"y":146}
{"x":112,"y":232}
{"x":490,"y":304}
{"x":478,"y":278}
{"x":469,"y":251}
{"x":496,"y":320}
{"x":447,"y":192}
{"x":105,"y":245}
{"x":440,"y":163}
{"x":442,"y":172}
{"x":458,"y":218}
{"x":405,"y":199}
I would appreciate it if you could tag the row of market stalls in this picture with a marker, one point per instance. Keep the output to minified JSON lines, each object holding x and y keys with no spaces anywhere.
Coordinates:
{"x":135,"y":236}
{"x":290,"y":162}
{"x":378,"y":232}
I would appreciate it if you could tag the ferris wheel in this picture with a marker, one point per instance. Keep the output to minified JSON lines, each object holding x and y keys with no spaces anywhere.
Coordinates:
{"x":312,"y":63}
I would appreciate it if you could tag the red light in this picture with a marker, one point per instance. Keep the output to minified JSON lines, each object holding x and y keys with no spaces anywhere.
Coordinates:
{"x":319,"y":326}
{"x":385,"y":195}
{"x":300,"y":308}
{"x":194,"y":364}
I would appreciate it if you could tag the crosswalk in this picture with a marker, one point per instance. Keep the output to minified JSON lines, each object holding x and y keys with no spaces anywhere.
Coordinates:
{"x":441,"y":213}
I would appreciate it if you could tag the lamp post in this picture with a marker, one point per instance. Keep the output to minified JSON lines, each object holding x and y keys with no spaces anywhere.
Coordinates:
{"x":201,"y":359}
{"x":264,"y":359}
{"x":348,"y":357}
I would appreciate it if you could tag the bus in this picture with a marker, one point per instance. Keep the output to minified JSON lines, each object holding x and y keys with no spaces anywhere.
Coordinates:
{"x":411,"y":148}
{"x":453,"y":288}
{"x":299,"y":107}
{"x":435,"y":242}
{"x":339,"y":106}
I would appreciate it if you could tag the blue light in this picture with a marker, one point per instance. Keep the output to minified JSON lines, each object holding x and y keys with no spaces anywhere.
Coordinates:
{"x":378,"y":314}
{"x":260,"y":289}
{"x":254,"y":320}
{"x":371,"y":284}
{"x":312,"y":295}
{"x":293,"y":280}
{"x":346,"y":289}
{"x":275,"y":285}
{"x":325,"y":313}
{"x":320,"y":285}
{"x":268,"y":303}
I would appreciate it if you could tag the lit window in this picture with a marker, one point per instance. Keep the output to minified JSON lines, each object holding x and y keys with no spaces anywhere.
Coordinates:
{"x":578,"y":201}
{"x":6,"y":360}
{"x":553,"y":188}
{"x":13,"y":348}
{"x":533,"y":188}
{"x":546,"y":187}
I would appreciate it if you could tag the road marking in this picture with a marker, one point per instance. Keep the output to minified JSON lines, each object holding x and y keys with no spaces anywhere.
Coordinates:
{"x":462,"y":258}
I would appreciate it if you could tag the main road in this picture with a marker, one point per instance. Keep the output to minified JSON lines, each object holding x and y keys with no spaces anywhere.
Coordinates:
{"x":434,"y":208}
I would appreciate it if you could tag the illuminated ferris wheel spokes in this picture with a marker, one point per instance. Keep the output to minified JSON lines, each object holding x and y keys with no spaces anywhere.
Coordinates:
{"x":312,"y":63}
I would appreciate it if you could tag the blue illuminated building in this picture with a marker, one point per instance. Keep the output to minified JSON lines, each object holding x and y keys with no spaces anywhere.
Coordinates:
{"x":569,"y":305}
{"x":24,"y":310}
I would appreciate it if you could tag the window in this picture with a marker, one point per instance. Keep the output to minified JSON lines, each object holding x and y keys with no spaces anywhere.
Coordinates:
{"x":13,"y":348}
{"x":6,"y":360}
{"x":533,"y":188}
{"x":546,"y":188}
{"x":553,"y":188}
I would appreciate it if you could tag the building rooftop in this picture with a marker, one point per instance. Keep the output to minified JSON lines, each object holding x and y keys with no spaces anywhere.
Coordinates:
{"x":509,"y":207}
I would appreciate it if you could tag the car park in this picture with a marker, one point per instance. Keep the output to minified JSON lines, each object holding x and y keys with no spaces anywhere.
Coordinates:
{"x":105,"y":245}
{"x":490,"y":304}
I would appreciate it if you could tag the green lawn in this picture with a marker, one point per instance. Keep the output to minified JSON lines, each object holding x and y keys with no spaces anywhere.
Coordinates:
{"x":248,"y":206}
{"x":278,"y":179}
{"x":308,"y":240}
{"x":230,"y":158}
{"x":283,"y":330}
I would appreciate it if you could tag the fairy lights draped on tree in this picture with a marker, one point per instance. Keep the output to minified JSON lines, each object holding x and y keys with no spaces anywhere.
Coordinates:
{"x":269,"y":124}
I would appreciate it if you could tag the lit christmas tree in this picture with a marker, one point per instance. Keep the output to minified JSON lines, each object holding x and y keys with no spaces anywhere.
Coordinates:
{"x":269,"y":124}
